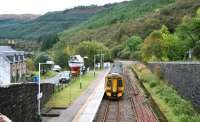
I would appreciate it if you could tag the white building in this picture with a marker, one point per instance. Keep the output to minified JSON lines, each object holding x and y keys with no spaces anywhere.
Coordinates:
{"x":12,"y":65}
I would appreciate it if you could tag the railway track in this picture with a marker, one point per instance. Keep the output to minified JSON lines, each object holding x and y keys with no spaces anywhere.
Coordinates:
{"x":133,"y":107}
{"x":143,"y":111}
{"x":112,"y":112}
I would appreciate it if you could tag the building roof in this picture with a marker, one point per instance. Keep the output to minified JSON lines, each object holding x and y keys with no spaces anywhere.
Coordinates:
{"x":6,"y":49}
{"x":8,"y":53}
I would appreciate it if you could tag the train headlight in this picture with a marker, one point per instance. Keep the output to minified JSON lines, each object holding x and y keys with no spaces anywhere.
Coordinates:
{"x":109,"y":82}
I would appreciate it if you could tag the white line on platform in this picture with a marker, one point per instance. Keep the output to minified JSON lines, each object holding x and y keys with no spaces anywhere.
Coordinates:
{"x":91,"y":106}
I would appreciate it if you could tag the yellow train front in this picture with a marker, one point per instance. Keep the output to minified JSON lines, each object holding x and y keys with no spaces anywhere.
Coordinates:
{"x":114,"y":82}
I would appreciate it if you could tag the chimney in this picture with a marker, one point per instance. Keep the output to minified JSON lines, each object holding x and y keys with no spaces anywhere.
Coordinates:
{"x":12,"y":43}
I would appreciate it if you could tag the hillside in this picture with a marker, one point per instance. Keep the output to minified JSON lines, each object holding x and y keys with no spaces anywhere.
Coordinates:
{"x":23,"y":17}
{"x":50,"y":23}
{"x":114,"y":24}
{"x":164,"y":12}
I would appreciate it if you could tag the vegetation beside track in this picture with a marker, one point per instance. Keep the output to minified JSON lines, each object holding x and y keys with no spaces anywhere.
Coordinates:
{"x":71,"y":92}
{"x":172,"y":105}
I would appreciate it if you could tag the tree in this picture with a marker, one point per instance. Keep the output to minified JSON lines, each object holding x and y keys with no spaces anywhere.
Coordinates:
{"x":47,"y":41}
{"x":40,"y":58}
{"x":172,"y":48}
{"x":133,"y":44}
{"x":152,"y":47}
{"x":129,"y":48}
{"x":189,"y":33}
{"x":91,"y":48}
{"x":61,"y":56}
{"x":30,"y":65}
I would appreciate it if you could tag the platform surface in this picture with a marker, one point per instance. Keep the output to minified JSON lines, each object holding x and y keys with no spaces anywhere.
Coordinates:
{"x":85,"y":107}
{"x":90,"y":108}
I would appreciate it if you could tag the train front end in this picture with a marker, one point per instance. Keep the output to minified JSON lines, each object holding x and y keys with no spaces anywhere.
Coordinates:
{"x":114,"y":86}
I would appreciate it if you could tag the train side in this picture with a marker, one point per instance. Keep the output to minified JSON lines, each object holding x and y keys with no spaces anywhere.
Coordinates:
{"x":114,"y":82}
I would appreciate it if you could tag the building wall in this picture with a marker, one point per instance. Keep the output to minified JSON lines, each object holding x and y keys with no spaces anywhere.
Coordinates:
{"x":20,"y":67}
{"x":4,"y":71}
{"x":184,"y":76}
{"x":19,"y":101}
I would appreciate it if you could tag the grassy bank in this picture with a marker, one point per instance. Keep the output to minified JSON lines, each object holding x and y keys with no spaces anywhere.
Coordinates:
{"x":48,"y":74}
{"x":173,"y":106}
{"x":71,"y":92}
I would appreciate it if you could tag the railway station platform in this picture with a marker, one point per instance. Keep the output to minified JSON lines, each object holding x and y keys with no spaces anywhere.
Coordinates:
{"x":89,"y":109}
{"x":86,"y":106}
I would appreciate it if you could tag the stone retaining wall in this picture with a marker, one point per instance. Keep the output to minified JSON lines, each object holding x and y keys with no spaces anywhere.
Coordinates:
{"x":184,"y":76}
{"x":19,"y":101}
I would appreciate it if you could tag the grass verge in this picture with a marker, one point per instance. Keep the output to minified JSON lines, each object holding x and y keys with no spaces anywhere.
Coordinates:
{"x":48,"y":74}
{"x":71,"y":92}
{"x":172,"y":105}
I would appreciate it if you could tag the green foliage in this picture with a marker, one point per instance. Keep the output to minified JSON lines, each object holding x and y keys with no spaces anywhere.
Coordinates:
{"x":61,"y":56}
{"x":153,"y":84}
{"x":175,"y":107}
{"x":162,"y":45}
{"x":158,"y":72}
{"x":48,"y":74}
{"x":129,"y":49}
{"x":40,"y":58}
{"x":189,"y":33}
{"x":198,"y":12}
{"x":152,"y":46}
{"x":50,"y":23}
{"x":64,"y":98}
{"x":91,"y":48}
{"x":124,"y":11}
{"x":30,"y":64}
{"x":48,"y":41}
{"x":136,"y":18}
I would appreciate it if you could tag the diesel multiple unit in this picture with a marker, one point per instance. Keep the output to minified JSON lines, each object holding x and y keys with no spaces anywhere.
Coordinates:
{"x":114,"y":82}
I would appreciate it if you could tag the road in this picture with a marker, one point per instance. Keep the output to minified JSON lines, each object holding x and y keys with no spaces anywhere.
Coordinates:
{"x":54,"y":80}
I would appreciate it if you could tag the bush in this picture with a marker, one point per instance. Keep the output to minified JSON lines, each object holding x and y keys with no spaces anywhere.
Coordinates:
{"x":153,"y":84}
{"x":158,"y":72}
{"x":182,"y":110}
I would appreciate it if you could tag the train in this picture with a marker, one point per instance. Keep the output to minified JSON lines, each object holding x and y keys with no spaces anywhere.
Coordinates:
{"x":114,"y":82}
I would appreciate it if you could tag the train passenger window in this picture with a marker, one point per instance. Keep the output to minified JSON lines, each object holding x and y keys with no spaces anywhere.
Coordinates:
{"x":109,"y":82}
{"x":120,"y":82}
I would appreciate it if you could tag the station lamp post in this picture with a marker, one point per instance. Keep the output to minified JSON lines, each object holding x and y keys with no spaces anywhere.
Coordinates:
{"x":39,"y":95}
{"x":85,"y":57}
{"x":96,"y":55}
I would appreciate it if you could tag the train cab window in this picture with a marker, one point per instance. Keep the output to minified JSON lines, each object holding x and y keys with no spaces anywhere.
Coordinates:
{"x":120,"y":82}
{"x":109,"y":82}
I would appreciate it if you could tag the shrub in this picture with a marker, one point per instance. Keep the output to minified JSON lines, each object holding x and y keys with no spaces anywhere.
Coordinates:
{"x":158,"y":72}
{"x":153,"y":84}
{"x":182,"y":110}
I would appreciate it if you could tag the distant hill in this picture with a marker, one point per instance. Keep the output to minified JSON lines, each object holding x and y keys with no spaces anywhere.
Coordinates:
{"x":28,"y":27}
{"x":115,"y":24}
{"x":23,"y":17}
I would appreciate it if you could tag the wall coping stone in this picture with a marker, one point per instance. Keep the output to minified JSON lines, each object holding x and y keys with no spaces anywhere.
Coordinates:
{"x":16,"y":84}
{"x":175,"y":62}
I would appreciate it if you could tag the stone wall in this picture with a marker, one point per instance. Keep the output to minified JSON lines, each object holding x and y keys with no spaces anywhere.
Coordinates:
{"x":19,"y":101}
{"x":184,"y":76}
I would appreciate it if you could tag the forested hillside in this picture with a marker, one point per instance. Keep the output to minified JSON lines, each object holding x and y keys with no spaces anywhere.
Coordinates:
{"x":23,"y":17}
{"x":116,"y":23}
{"x":50,"y":23}
{"x":140,"y":24}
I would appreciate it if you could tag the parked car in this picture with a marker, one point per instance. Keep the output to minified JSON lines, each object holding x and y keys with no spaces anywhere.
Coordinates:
{"x":65,"y":77}
{"x":56,"y":68}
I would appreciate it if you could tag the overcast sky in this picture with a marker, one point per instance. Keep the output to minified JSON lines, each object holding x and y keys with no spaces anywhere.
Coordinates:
{"x":43,"y":6}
